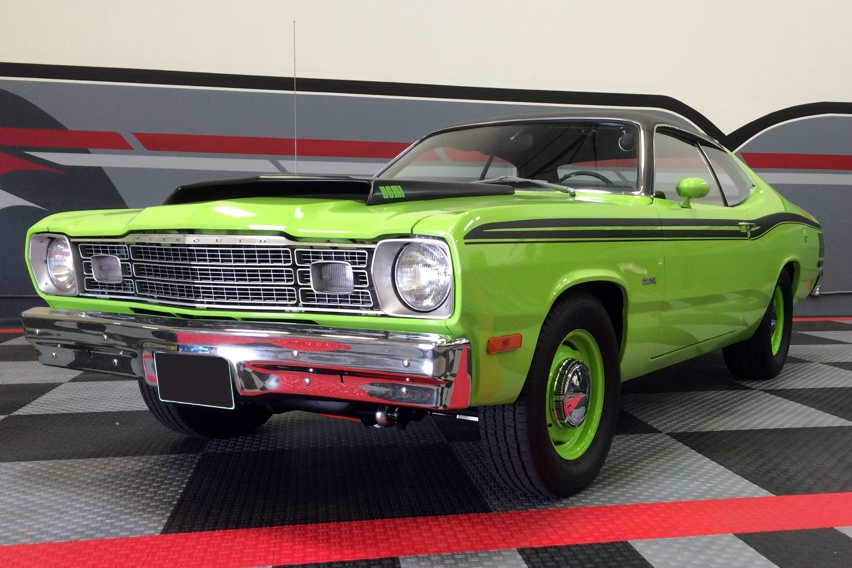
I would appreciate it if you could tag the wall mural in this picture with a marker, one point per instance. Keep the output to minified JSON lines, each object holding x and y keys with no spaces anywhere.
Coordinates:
{"x":88,"y":139}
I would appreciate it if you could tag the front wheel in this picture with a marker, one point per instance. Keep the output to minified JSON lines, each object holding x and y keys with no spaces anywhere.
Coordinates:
{"x":762,"y":355}
{"x":204,"y":422}
{"x":553,"y":440}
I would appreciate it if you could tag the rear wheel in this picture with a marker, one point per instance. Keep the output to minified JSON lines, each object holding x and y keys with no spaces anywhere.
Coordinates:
{"x":762,"y":355}
{"x":554,"y":439}
{"x":204,"y":422}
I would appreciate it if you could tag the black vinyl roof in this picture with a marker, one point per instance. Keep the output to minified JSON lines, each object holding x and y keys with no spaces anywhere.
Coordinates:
{"x":648,"y":119}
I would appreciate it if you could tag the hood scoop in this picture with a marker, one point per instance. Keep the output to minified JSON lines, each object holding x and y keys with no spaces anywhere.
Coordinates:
{"x":370,"y":190}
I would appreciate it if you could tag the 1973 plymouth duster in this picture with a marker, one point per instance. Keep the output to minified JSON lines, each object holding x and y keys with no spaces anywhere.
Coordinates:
{"x":515,"y":270}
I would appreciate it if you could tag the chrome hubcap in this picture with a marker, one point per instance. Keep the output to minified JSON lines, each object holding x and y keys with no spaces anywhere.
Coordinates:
{"x":571,"y":393}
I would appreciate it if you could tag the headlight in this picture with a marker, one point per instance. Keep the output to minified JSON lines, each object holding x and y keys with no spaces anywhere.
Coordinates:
{"x":52,"y":263}
{"x":60,"y":265}
{"x":423,"y":276}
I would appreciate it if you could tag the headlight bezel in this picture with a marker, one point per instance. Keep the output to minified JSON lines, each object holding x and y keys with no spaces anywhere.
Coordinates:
{"x":384,"y":265}
{"x":39,"y":245}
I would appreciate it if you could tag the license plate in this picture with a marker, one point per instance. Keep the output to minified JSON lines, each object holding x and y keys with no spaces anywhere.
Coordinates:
{"x":202,"y":380}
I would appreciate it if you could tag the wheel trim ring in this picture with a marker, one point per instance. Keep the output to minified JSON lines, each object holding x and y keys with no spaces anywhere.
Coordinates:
{"x":571,"y":443}
{"x":777,"y":310}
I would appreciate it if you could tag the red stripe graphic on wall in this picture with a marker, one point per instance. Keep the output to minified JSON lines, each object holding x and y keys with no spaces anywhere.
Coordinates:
{"x":759,"y":160}
{"x":273,"y":146}
{"x":360,"y":540}
{"x":269,"y":146}
{"x":52,"y":138}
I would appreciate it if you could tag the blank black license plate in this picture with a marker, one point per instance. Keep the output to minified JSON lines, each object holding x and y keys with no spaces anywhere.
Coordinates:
{"x":202,"y":380}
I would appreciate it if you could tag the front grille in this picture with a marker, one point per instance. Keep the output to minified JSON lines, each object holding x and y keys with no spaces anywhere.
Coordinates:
{"x":209,"y":274}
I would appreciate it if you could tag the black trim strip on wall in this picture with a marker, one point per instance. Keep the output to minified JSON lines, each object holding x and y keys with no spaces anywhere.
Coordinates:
{"x":263,"y":82}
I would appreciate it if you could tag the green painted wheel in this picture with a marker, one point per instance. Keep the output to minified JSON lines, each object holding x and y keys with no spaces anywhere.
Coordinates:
{"x":553,"y":440}
{"x":776,"y":320}
{"x":762,"y":355}
{"x":572,"y":439}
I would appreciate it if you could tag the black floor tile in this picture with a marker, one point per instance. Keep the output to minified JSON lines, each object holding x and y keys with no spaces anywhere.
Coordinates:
{"x":798,"y":338}
{"x":705,"y":373}
{"x":629,"y":424}
{"x":18,"y":353}
{"x":372,"y":563}
{"x":89,"y":435}
{"x":455,"y":430}
{"x":315,"y":485}
{"x":606,"y":555}
{"x":836,"y":401}
{"x":823,"y":548}
{"x":15,"y":397}
{"x":791,"y":359}
{"x":821,"y":326}
{"x":88,"y":376}
{"x":787,"y":461}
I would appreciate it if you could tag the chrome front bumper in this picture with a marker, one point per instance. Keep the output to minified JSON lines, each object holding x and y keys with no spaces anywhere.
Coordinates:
{"x":419,"y":370}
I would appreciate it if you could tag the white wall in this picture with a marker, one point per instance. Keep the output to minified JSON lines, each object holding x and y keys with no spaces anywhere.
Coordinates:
{"x":732,"y":60}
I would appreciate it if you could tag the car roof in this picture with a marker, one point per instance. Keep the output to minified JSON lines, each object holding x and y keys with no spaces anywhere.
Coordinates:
{"x":647,"y":118}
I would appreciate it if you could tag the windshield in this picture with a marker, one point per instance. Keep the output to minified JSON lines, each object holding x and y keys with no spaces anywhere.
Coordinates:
{"x":600,"y":155}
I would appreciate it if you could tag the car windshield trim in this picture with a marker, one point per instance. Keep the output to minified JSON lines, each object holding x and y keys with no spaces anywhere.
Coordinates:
{"x":552,"y":148}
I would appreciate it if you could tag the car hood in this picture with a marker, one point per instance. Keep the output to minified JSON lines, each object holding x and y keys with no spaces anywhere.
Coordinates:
{"x":334,"y":218}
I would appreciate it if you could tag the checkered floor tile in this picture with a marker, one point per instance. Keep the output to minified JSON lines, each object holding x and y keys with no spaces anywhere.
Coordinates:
{"x":81,"y":458}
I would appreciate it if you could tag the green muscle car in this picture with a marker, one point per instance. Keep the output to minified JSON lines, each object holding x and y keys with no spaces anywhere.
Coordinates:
{"x":512,"y":271}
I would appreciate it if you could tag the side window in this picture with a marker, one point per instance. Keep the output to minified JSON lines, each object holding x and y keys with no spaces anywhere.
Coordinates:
{"x":735,"y":183}
{"x":675,"y":159}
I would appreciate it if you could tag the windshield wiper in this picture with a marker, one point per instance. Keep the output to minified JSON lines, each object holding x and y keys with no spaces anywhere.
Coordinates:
{"x":539,"y":182}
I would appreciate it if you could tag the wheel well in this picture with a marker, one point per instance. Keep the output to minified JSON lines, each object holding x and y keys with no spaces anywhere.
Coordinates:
{"x":792,"y":269}
{"x":611,"y":296}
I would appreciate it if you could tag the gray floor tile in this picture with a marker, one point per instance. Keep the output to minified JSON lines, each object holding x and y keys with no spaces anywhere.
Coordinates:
{"x":92,"y":498}
{"x":640,"y":468}
{"x":845,"y":336}
{"x":723,"y":410}
{"x":719,"y":551}
{"x":805,"y":376}
{"x":88,"y":397}
{"x":487,"y":559}
{"x":19,"y":340}
{"x":293,"y":430}
{"x":822,"y":353}
{"x":20,"y":372}
{"x":846,"y":530}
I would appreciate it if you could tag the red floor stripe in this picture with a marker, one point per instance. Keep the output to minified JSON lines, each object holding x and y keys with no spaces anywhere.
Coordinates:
{"x":797,"y":161}
{"x":54,"y":138}
{"x":11,"y":330}
{"x":217,"y":144}
{"x":844,"y":318}
{"x":361,"y":540}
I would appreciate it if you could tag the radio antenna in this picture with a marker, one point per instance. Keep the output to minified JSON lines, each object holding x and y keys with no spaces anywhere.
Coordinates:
{"x":295,"y":115}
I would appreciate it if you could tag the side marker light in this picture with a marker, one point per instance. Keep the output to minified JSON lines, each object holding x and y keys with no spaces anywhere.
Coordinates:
{"x":504,"y":343}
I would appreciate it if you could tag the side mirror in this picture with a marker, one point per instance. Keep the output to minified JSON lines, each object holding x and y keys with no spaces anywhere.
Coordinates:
{"x":692,"y":188}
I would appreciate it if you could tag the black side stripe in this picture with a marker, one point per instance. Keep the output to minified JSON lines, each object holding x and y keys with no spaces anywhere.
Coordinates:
{"x":615,"y":228}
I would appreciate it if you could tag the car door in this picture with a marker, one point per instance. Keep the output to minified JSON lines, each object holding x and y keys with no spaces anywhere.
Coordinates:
{"x":708,"y":289}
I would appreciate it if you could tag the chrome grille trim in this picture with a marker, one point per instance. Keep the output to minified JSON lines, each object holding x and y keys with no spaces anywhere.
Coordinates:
{"x":241,"y":255}
{"x":229,"y":272}
{"x":213,"y":275}
{"x":306,"y":257}
{"x":359,"y":298}
{"x":205,"y":293}
{"x":89,"y":250}
{"x":102,"y":288}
